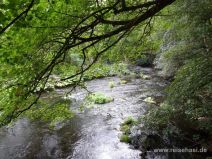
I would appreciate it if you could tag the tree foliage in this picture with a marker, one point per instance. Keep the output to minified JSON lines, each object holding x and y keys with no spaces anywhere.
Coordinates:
{"x":37,"y":36}
{"x":186,"y":52}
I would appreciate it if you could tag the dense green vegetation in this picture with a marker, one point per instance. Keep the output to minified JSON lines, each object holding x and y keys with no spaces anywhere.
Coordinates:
{"x":52,"y":44}
{"x":40,"y":38}
{"x":125,"y":128}
{"x":187,"y":52}
{"x":185,"y":57}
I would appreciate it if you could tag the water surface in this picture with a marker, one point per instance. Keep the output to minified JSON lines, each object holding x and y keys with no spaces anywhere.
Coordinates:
{"x":94,"y":132}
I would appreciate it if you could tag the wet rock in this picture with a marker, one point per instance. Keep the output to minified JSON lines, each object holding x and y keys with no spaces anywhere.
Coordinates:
{"x":145,"y":140}
{"x":149,"y":100}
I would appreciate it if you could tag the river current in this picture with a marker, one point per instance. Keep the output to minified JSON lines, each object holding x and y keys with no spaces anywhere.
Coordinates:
{"x":93,"y":133}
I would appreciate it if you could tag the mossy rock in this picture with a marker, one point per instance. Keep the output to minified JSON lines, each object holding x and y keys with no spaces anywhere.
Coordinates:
{"x":125,"y":138}
{"x":111,"y":84}
{"x":123,"y":82}
{"x":125,"y":129}
{"x":99,"y":98}
{"x":149,"y":100}
{"x":129,"y":121}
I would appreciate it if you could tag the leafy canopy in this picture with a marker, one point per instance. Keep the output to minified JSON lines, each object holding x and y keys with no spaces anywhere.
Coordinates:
{"x":39,"y":36}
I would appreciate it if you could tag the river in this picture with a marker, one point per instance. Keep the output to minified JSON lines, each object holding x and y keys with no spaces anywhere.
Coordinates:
{"x":94,"y":132}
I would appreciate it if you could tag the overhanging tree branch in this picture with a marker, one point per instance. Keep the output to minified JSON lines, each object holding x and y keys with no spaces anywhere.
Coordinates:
{"x":84,"y":34}
{"x":18,"y":17}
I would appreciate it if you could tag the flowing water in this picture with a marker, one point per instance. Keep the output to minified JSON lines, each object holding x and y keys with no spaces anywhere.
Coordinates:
{"x":94,"y":132}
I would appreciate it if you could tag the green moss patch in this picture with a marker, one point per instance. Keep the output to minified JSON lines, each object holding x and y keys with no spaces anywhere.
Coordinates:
{"x":125,"y":128}
{"x":99,"y":98}
{"x":125,"y":138}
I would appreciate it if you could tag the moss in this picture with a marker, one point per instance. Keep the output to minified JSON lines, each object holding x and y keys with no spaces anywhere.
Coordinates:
{"x":125,"y":138}
{"x":123,"y":81}
{"x":111,"y":84}
{"x":99,"y":98}
{"x":125,"y":129}
{"x":129,"y":121}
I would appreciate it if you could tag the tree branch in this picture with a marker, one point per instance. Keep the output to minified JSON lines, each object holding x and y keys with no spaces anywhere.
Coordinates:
{"x":18,"y":17}
{"x":84,"y":34}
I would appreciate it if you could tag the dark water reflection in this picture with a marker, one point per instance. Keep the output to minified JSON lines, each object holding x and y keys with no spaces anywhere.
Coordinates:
{"x":92,"y":133}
